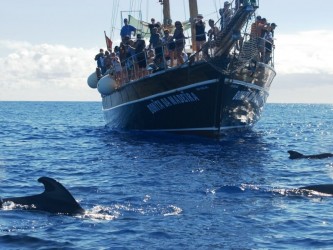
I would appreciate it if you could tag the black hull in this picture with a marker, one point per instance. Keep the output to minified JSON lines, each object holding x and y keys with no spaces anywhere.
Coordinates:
{"x":191,"y":99}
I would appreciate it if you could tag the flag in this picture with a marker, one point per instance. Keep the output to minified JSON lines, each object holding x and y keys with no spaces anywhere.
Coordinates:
{"x":108,"y":42}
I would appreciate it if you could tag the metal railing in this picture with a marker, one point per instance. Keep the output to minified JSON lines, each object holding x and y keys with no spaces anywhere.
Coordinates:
{"x":145,"y":62}
{"x":149,"y":61}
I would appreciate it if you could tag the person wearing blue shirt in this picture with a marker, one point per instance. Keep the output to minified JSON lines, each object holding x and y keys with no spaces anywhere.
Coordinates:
{"x":127,"y":30}
{"x":100,"y":61}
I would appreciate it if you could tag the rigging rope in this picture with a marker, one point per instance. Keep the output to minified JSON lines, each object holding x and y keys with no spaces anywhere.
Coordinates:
{"x":188,"y":32}
{"x":147,"y":10}
{"x":131,"y":5}
{"x":161,"y":14}
{"x":184,"y":9}
{"x":114,"y":17}
{"x":140,"y":7}
{"x":217,"y":11}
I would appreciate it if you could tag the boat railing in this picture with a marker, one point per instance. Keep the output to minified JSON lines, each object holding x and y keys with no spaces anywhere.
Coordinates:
{"x":247,"y":49}
{"x":266,"y":48}
{"x":253,"y":48}
{"x":146,"y":62}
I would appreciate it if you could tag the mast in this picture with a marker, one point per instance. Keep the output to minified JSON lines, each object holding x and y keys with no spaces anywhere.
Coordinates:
{"x":166,"y":13}
{"x":193,"y":5}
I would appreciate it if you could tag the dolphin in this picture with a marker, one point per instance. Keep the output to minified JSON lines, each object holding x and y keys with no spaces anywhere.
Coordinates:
{"x":297,"y":155}
{"x":55,"y":199}
{"x":322,"y":188}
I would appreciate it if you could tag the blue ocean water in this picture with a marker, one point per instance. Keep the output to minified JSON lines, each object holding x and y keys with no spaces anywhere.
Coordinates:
{"x":164,"y":191}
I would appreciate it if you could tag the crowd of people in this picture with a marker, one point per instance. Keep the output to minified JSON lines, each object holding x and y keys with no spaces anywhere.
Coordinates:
{"x":134,"y":59}
{"x":262,"y":33}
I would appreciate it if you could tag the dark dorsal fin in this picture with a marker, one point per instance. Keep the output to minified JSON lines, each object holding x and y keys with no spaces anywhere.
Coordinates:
{"x":295,"y":155}
{"x":55,"y":199}
{"x":55,"y":189}
{"x":49,"y":184}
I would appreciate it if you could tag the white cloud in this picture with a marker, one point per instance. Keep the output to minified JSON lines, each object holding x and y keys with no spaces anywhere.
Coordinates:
{"x":302,"y":88}
{"x":45,"y":72}
{"x":304,"y":68}
{"x":304,"y":52}
{"x":56,"y":72}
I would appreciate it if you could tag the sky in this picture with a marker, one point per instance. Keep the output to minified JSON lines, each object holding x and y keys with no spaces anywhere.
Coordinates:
{"x":47,"y":47}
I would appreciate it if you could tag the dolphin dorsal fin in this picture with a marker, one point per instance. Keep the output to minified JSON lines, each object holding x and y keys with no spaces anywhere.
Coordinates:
{"x":49,"y":183}
{"x":55,"y":189}
{"x":55,"y":199}
{"x":294,"y":154}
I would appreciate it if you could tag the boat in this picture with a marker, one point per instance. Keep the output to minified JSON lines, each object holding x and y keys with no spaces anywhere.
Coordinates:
{"x":226,"y":90}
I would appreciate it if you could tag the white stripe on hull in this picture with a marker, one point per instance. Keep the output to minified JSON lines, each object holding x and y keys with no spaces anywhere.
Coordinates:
{"x":166,"y":93}
{"x":249,"y":85}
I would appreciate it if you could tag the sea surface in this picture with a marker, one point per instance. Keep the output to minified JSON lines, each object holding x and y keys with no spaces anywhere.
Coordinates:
{"x":165,"y":191}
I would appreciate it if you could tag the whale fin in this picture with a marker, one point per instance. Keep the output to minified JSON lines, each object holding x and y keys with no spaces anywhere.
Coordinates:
{"x":295,"y":155}
{"x":55,"y":199}
{"x":323,"y":188}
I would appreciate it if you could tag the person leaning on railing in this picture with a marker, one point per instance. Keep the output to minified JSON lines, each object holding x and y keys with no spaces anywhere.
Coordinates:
{"x":126,"y":60}
{"x":200,"y":36}
{"x":141,"y":63}
{"x":179,"y":38}
{"x":150,"y":61}
{"x":269,"y":43}
{"x":116,"y":68}
{"x":154,"y":39}
{"x":130,"y":60}
{"x":211,"y":43}
{"x":169,"y":47}
{"x":261,"y":30}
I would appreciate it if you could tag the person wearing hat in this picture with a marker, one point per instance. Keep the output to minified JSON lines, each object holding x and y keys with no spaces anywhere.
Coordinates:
{"x":226,"y":14}
{"x":200,"y":36}
{"x":127,"y":30}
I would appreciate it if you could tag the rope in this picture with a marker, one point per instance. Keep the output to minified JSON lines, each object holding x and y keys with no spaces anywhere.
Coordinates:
{"x":131,"y":5}
{"x":184,"y":9}
{"x":217,"y":11}
{"x":188,"y":32}
{"x":114,"y":17}
{"x":147,"y":10}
